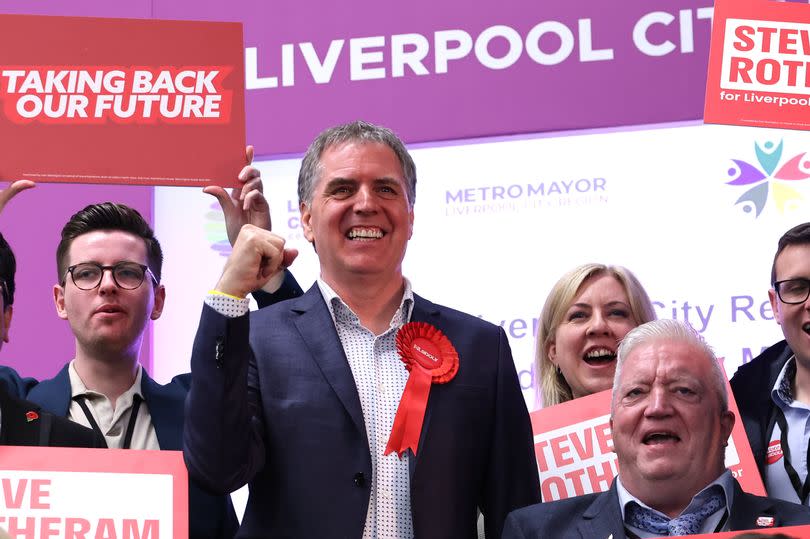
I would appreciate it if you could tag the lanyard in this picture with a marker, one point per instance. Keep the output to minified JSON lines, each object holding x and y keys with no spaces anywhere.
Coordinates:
{"x":801,"y":489}
{"x":133,"y":417}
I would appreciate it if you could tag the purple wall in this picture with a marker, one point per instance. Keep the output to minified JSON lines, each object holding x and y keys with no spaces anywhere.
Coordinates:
{"x":40,"y":342}
{"x":585,"y":89}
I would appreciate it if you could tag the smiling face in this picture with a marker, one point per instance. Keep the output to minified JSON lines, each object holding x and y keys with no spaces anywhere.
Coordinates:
{"x":669,"y":428}
{"x":108,"y":318}
{"x":584,"y":345}
{"x":360,"y":219}
{"x":794,"y":262}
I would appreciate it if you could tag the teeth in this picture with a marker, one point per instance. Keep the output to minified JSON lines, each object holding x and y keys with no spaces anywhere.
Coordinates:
{"x":659,"y":437}
{"x":595,"y":354}
{"x":365,"y":233}
{"x":806,"y":327}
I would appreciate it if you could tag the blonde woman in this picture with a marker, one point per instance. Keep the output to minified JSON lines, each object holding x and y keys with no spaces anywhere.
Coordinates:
{"x":586,"y":314}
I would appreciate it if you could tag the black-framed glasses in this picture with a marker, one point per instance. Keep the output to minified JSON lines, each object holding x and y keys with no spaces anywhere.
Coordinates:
{"x":127,"y":275}
{"x":793,"y":291}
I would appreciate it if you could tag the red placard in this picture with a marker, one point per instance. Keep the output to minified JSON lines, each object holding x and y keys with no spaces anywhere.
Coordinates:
{"x":121,"y":101}
{"x":759,"y":74}
{"x":574,"y":449}
{"x":65,"y":492}
{"x":797,"y":532}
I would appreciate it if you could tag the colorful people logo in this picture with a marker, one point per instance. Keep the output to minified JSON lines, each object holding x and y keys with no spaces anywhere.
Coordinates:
{"x":764,"y":180}
{"x":215,"y":231}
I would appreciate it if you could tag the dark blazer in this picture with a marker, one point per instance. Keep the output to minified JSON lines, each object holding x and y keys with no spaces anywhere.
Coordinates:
{"x":25,"y":423}
{"x":210,"y":516}
{"x":751,"y":385}
{"x":598,"y":515}
{"x":274,"y":403}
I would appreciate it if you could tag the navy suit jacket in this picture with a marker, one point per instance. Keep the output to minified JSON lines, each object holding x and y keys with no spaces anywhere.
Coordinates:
{"x":19,"y":426}
{"x":274,"y":403}
{"x":210,"y":516}
{"x":596,"y":516}
{"x":752,"y":385}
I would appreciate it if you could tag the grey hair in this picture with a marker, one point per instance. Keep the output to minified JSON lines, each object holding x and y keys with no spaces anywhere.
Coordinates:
{"x":670,"y":330}
{"x":357,"y":131}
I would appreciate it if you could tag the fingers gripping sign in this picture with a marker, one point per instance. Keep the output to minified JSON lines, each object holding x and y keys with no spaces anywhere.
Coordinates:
{"x":245,"y":204}
{"x":11,"y":191}
{"x":257,"y":256}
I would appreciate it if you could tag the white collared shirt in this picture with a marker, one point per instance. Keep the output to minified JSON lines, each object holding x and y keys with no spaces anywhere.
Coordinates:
{"x":113,"y":421}
{"x":797,"y":418}
{"x":380,"y":377}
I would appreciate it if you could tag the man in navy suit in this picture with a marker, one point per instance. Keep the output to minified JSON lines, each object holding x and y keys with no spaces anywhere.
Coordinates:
{"x":109,"y":266}
{"x":298,"y":399}
{"x":670,"y":422}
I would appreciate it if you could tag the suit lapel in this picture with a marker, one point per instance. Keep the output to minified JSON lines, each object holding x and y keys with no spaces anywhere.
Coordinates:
{"x":603,"y":517}
{"x":166,"y":410}
{"x":15,"y":429}
{"x":314,"y":322}
{"x":747,"y":508}
{"x":423,"y":311}
{"x":54,"y":394}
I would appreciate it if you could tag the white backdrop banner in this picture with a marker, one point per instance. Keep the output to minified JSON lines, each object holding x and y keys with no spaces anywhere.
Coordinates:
{"x":498,"y":222}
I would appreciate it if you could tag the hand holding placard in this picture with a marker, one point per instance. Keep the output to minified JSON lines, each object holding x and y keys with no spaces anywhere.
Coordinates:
{"x":11,"y":191}
{"x":245,"y":204}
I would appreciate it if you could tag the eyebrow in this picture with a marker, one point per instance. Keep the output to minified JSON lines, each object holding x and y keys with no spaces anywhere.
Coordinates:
{"x":590,"y":306}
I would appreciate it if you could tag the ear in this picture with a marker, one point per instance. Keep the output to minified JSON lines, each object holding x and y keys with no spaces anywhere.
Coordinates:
{"x":727,"y":421}
{"x":7,"y":312}
{"x":777,"y":313}
{"x":59,"y":301}
{"x":551,"y":351}
{"x":160,"y":300}
{"x":410,"y":223}
{"x":306,"y":222}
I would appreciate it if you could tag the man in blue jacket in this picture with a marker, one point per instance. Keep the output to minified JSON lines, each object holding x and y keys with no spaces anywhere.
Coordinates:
{"x":773,"y":390}
{"x":299,"y":399}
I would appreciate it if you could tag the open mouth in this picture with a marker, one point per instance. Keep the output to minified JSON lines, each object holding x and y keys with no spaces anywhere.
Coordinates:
{"x":109,"y":309}
{"x":662,"y":437}
{"x":365,"y":234}
{"x":599,"y":357}
{"x":806,"y":328}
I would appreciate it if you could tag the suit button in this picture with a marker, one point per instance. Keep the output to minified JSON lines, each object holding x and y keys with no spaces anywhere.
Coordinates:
{"x":359,"y":479}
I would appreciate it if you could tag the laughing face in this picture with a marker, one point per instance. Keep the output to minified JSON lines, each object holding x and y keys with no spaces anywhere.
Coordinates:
{"x":360,"y":219}
{"x":584,"y":345}
{"x":794,"y":262}
{"x":669,"y":429}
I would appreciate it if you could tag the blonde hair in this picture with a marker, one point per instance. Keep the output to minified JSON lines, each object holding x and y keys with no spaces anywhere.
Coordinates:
{"x":550,"y":386}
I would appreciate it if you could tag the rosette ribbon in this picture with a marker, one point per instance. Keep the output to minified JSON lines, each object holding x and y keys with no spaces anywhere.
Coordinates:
{"x":430,"y":359}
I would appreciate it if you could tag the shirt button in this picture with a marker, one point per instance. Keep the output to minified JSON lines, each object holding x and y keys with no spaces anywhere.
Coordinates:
{"x":360,"y":479}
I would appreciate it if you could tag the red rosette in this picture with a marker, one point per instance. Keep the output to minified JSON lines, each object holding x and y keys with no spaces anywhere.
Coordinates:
{"x":31,"y":416}
{"x":430,"y":358}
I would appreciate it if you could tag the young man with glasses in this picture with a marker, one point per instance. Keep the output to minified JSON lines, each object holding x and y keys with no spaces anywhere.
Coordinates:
{"x":773,"y":390}
{"x":108,"y":270}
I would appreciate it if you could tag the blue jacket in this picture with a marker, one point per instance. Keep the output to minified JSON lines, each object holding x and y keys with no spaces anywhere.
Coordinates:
{"x":274,"y":403}
{"x":210,"y":516}
{"x":752,"y":385}
{"x":594,"y":516}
